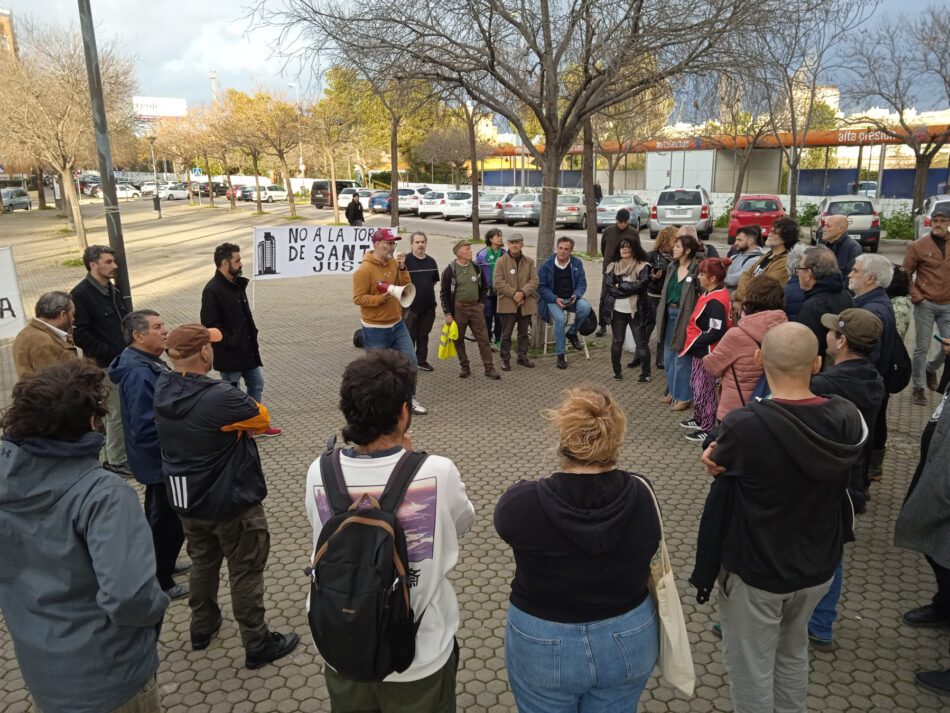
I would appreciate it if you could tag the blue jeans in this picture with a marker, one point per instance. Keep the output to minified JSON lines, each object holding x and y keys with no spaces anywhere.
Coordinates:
{"x":678,"y":368}
{"x":396,"y":337}
{"x":925,"y":314}
{"x":581,"y":309}
{"x":827,"y":610}
{"x":594,"y":667}
{"x":253,"y":381}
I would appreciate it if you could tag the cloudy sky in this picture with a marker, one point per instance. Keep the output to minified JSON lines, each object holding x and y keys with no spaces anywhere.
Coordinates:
{"x":176,"y":44}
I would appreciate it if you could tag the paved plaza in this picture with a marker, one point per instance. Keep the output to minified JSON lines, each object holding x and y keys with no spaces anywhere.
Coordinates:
{"x":498,"y":437}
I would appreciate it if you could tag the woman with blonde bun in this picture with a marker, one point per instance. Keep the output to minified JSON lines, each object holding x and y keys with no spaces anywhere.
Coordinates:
{"x":582,"y":630}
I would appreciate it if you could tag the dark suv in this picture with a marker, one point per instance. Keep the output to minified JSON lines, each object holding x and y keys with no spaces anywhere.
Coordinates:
{"x":320,"y":191}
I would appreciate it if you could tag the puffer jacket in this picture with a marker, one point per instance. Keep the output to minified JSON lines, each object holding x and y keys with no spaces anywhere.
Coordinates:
{"x":735,"y":351}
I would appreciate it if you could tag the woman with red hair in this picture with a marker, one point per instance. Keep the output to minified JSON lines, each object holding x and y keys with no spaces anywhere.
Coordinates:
{"x":707,"y":325}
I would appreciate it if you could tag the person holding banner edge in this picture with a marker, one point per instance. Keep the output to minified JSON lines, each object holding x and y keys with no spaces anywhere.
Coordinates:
{"x":376,"y":284}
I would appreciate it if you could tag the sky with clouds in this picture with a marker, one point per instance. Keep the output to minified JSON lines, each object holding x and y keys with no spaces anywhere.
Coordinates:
{"x":176,"y":44}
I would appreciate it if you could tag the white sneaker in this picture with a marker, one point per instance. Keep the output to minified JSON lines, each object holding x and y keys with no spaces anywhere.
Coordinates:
{"x":419,"y":408}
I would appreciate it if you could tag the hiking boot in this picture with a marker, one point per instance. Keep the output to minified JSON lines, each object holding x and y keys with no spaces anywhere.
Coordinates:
{"x":275,"y":646}
{"x":506,"y":365}
{"x":919,"y":397}
{"x":492,"y":374}
{"x":561,"y":361}
{"x":931,"y":379}
{"x":575,"y":341}
{"x":199,"y":642}
{"x":525,"y":362}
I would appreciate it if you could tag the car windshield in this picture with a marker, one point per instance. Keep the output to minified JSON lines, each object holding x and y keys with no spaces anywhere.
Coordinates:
{"x":617,"y":200}
{"x":568,"y":200}
{"x":381,"y":194}
{"x":459,"y":196}
{"x":851,"y":208}
{"x":758,"y":205}
{"x":434,"y":195}
{"x":491,"y":197}
{"x":676,"y":198}
{"x":522,"y":197}
{"x":406,"y":191}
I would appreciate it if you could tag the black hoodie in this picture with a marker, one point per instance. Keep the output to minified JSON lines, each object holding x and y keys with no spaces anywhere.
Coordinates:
{"x":780,"y":514}
{"x":582,"y":544}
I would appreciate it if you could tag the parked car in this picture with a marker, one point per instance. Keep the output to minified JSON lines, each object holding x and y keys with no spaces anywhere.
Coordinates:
{"x":609,"y":205}
{"x":864,"y":223}
{"x":683,"y":206}
{"x":269,"y":194}
{"x":432,"y":203}
{"x":87,"y":183}
{"x":571,"y":210}
{"x":458,"y":204}
{"x":148,"y":187}
{"x":761,"y":210}
{"x":409,"y":199}
{"x":220,"y":189}
{"x":491,"y":206}
{"x":320,"y":195}
{"x":523,"y":208}
{"x":381,"y":202}
{"x":14,"y":198}
{"x":922,"y":219}
{"x":346,"y":196}
{"x":867,"y":188}
{"x":173,"y":191}
{"x":236,"y":188}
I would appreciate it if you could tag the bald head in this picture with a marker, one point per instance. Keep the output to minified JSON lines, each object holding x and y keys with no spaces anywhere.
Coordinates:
{"x":789,"y":351}
{"x":687,"y":230}
{"x":835,"y":227}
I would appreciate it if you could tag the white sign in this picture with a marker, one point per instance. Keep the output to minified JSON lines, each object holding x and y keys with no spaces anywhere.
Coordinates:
{"x":158,"y":107}
{"x":12,"y":318}
{"x":308,"y":250}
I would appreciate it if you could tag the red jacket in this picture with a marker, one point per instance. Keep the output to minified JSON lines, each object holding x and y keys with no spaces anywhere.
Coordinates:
{"x":708,"y":323}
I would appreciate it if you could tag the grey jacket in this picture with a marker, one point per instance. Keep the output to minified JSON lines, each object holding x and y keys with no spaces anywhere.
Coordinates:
{"x":740,"y":263}
{"x":77,"y":576}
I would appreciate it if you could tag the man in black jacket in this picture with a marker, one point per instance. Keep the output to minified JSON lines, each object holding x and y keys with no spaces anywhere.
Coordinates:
{"x":224,"y":306}
{"x":354,"y":210}
{"x":215,"y":483}
{"x":775,"y":521}
{"x":825,"y":293}
{"x":97,"y":330}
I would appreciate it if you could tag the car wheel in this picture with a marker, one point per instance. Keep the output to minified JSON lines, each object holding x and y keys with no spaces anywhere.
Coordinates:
{"x":170,"y":197}
{"x":704,"y":236}
{"x":873,"y":247}
{"x":422,"y":216}
{"x":652,"y":235}
{"x":584,"y":222}
{"x":135,"y":195}
{"x":510,"y":223}
{"x":446,"y":218}
{"x":270,"y":199}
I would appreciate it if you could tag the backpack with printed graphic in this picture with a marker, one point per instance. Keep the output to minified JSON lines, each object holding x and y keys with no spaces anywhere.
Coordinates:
{"x":359,"y":610}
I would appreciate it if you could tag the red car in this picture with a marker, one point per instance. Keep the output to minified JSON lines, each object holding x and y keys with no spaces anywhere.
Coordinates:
{"x":761,"y":210}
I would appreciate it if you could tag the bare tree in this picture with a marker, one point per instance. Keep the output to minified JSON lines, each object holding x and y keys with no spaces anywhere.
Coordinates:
{"x":796,"y":62}
{"x":447,"y":145}
{"x":904,"y":64}
{"x":527,"y":54}
{"x":333,"y":130}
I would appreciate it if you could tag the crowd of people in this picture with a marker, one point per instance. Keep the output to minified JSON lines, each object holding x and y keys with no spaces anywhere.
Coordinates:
{"x":785,"y":355}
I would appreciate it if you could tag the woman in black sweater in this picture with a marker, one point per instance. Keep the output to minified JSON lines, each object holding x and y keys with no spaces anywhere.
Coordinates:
{"x":582,"y":630}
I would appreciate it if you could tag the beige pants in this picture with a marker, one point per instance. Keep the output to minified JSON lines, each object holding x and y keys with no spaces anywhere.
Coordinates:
{"x":146,"y":700}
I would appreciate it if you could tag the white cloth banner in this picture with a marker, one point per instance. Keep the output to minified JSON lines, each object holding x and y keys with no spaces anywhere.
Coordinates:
{"x":308,"y":250}
{"x":12,"y":318}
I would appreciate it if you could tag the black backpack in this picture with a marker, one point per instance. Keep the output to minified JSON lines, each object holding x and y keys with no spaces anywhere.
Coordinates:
{"x":360,"y":616}
{"x":899,"y":369}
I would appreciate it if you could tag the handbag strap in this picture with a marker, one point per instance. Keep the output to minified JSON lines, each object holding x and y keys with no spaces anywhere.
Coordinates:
{"x":661,"y":550}
{"x":738,"y":388}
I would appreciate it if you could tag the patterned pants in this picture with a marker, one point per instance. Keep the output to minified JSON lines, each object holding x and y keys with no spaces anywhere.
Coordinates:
{"x":705,"y":400}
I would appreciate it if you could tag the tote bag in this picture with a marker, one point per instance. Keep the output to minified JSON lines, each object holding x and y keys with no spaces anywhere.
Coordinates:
{"x":675,"y":660}
{"x":450,"y":332}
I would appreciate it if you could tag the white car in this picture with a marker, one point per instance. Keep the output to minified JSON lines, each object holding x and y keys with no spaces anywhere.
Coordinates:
{"x":172,"y":192}
{"x":271,"y":193}
{"x":458,"y":204}
{"x":432,"y":203}
{"x":126,"y":190}
{"x":148,"y":188}
{"x":346,"y":197}
{"x":409,"y":199}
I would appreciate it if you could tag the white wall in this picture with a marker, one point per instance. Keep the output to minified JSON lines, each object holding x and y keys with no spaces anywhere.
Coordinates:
{"x":680,"y":168}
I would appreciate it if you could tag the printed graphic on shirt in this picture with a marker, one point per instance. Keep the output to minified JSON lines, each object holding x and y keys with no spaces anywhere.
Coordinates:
{"x":416,"y":513}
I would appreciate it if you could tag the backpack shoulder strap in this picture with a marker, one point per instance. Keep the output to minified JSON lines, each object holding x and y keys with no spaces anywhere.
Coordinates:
{"x":399,"y":480}
{"x":333,"y":482}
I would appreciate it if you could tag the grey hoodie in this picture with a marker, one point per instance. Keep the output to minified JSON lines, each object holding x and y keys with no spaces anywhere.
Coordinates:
{"x":77,"y":576}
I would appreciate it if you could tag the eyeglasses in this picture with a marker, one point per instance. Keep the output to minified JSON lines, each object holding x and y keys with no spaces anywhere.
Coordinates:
{"x":802,"y":268}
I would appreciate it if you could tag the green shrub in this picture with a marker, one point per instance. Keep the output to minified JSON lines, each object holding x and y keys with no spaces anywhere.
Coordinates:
{"x":899,"y":224}
{"x":722,"y":220}
{"x":806,"y":216}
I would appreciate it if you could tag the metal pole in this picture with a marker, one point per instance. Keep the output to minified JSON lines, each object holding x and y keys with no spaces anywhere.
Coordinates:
{"x":104,"y":150}
{"x":151,"y":147}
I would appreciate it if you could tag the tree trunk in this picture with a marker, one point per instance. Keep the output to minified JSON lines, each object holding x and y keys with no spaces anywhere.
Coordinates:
{"x":290,"y":186}
{"x":612,"y":163}
{"x":257,"y":183}
{"x":743,"y":160}
{"x":233,"y":198}
{"x":922,"y":163}
{"x":394,"y":170}
{"x":40,"y":188}
{"x":473,"y":148}
{"x":793,"y":184}
{"x":550,"y":167}
{"x":72,"y":199}
{"x":336,"y":205}
{"x":590,"y":206}
{"x":210,"y":187}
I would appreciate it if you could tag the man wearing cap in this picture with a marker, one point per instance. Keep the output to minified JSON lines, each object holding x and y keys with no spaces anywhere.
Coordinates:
{"x":927,"y":261}
{"x":609,"y":243}
{"x":374,"y":283}
{"x":135,"y":372}
{"x":463,"y":294}
{"x":851,"y":337}
{"x":213,"y":475}
{"x":561,"y":287}
{"x":224,"y":306}
{"x":516,"y":284}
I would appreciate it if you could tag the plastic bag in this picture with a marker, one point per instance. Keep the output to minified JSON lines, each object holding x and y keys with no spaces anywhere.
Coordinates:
{"x":450,"y":332}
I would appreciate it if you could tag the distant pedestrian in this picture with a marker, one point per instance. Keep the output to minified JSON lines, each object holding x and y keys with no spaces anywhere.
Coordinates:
{"x":48,"y":337}
{"x":225,"y":307}
{"x":420,"y":315}
{"x":77,"y":569}
{"x":97,"y":330}
{"x":598,"y":192}
{"x":354,"y":210}
{"x":516,"y":284}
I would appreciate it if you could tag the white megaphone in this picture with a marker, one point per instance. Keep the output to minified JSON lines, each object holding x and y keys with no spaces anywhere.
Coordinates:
{"x":404,"y":293}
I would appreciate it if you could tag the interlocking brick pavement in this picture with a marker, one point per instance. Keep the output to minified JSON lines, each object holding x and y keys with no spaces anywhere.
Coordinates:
{"x":498,"y":438}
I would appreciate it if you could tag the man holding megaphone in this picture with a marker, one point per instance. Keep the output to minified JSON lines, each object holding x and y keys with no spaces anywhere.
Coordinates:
{"x":381,"y":287}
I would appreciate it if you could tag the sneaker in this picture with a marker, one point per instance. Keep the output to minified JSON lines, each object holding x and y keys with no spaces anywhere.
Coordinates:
{"x":425,"y":366}
{"x":419,"y":408}
{"x":931,"y":379}
{"x":618,"y":376}
{"x":717,"y":629}
{"x":181,"y":567}
{"x":925,"y":617}
{"x":820,"y":644}
{"x":178,"y":591}
{"x":199,"y":642}
{"x":919,"y":397}
{"x":692,"y":424}
{"x":644,"y":378}
{"x":575,"y":341}
{"x":696,"y":436}
{"x":633,"y":363}
{"x":600,"y":332}
{"x":118,"y":468}
{"x":935,"y":681}
{"x":268,"y":433}
{"x":275,"y":646}
{"x":561,"y":361}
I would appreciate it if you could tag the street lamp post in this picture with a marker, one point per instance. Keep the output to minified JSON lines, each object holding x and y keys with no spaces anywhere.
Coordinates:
{"x":156,"y":200}
{"x":299,"y":141}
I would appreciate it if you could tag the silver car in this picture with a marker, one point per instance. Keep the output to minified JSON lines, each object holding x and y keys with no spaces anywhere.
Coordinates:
{"x":491,"y":206}
{"x":683,"y":206}
{"x":609,"y":205}
{"x":571,"y":210}
{"x":922,"y":219}
{"x":14,"y":198}
{"x":523,"y":208}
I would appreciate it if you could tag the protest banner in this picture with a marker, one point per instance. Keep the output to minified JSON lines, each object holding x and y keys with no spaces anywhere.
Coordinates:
{"x":12,"y":318}
{"x":308,"y":250}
